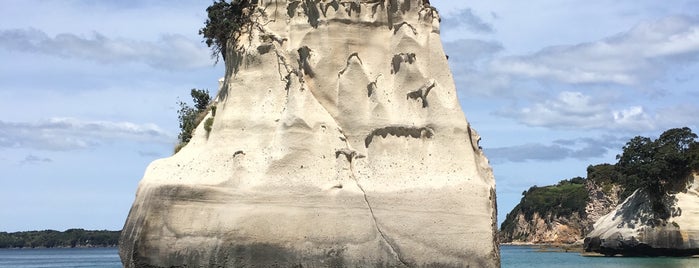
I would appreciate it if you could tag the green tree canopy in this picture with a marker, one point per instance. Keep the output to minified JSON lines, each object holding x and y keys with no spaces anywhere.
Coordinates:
{"x":189,"y":117}
{"x":224,"y":20}
{"x":662,"y":166}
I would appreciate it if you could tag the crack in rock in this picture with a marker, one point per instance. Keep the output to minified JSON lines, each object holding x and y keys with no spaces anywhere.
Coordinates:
{"x":376,"y":224}
{"x":351,"y":155}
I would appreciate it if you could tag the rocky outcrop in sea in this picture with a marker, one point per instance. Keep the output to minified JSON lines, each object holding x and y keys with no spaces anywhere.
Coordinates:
{"x":634,"y":229}
{"x":338,"y":141}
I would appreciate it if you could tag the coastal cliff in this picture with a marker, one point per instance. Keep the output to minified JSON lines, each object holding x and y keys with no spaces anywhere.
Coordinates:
{"x":337,"y":141}
{"x":559,"y":214}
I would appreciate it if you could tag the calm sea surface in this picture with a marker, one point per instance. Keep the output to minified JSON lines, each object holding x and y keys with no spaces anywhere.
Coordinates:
{"x":522,"y":256}
{"x":63,"y":258}
{"x":512,"y":256}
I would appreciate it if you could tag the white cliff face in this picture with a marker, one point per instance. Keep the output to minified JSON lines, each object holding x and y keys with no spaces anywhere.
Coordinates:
{"x":629,"y":229}
{"x":338,"y":141}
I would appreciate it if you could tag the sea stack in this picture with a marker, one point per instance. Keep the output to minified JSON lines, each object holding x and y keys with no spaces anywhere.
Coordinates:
{"x":632,"y":229}
{"x":337,"y":141}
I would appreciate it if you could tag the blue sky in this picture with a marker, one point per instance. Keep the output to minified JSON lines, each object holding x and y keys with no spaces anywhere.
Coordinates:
{"x":88,"y":92}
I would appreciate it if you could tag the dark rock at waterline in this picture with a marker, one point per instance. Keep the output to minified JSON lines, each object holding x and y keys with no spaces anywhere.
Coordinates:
{"x":633,"y":248}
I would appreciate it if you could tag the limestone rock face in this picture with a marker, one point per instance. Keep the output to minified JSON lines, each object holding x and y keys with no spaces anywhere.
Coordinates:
{"x":630,"y":229}
{"x":338,"y":141}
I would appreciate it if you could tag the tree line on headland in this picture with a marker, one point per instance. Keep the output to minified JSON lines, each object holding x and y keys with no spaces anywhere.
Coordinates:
{"x":71,"y":238}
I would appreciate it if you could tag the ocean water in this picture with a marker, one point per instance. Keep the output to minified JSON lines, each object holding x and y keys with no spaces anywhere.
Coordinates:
{"x":523,"y":256}
{"x":512,"y":256}
{"x":60,"y":258}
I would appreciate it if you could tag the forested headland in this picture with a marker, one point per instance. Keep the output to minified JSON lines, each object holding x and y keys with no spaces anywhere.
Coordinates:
{"x":71,"y":238}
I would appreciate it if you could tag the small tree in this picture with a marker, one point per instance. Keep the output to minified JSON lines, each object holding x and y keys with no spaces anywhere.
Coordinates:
{"x":636,"y":164}
{"x":224,"y":20}
{"x":208,"y":124}
{"x":201,"y":98}
{"x":189,"y":117}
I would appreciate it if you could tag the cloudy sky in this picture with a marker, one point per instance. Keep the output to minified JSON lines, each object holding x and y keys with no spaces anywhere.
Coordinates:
{"x":88,"y":92}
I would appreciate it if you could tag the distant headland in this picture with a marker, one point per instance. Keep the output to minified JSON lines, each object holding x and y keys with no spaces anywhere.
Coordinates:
{"x":71,"y":238}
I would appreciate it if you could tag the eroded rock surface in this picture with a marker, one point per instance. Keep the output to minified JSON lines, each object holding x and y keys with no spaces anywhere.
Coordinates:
{"x":338,"y":141}
{"x":632,"y":229}
{"x":549,"y":228}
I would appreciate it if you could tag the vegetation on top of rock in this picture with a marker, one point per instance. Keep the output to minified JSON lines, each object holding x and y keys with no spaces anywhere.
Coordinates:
{"x":604,"y":175}
{"x":51,"y":238}
{"x":209,"y":123}
{"x":661,"y":167}
{"x":189,"y":117}
{"x":224,"y":21}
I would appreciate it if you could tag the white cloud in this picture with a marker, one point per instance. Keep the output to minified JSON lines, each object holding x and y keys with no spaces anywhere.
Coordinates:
{"x":471,"y":50}
{"x":526,"y":152}
{"x":637,"y":56}
{"x":61,"y":134}
{"x":467,"y":19}
{"x":575,"y":110}
{"x":633,"y":118}
{"x":467,"y":58}
{"x":581,"y":149}
{"x":170,"y":52}
{"x":680,"y":115}
{"x":33,"y":160}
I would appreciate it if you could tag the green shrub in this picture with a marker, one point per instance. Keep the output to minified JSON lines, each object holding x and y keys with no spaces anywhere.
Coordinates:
{"x":187,"y":117}
{"x":190,"y":117}
{"x":201,"y":98}
{"x":179,"y":146}
{"x":208,"y":124}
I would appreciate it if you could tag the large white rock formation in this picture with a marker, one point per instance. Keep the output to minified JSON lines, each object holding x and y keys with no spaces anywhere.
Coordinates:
{"x":631,"y":228}
{"x":338,"y":141}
